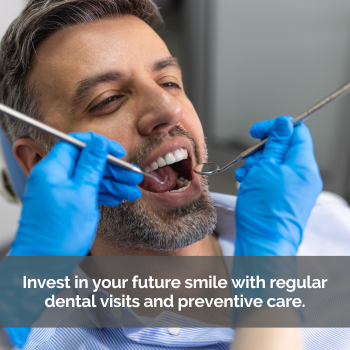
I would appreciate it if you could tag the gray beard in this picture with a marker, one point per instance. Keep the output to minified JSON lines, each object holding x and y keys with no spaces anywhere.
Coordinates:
{"x":130,"y":225}
{"x":133,"y":225}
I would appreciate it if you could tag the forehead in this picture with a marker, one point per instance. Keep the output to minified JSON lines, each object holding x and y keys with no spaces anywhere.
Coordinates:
{"x":125,"y":42}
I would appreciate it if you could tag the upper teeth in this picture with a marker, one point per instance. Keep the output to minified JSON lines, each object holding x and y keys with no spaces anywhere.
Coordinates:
{"x":169,"y":158}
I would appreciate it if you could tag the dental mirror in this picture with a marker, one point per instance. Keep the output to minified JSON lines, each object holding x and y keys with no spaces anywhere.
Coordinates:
{"x":212,"y":168}
{"x":206,"y":168}
{"x":73,"y":141}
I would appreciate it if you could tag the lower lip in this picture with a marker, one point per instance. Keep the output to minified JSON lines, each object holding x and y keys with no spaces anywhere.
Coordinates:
{"x":177,"y":199}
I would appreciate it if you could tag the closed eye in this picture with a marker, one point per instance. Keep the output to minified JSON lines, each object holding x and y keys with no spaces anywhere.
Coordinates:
{"x":105,"y":102}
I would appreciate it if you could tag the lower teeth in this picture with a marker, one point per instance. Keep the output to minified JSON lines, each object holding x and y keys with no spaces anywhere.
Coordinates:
{"x":182,"y":182}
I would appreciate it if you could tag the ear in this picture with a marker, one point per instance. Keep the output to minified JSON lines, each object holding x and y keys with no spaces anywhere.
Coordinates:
{"x":28,"y":153}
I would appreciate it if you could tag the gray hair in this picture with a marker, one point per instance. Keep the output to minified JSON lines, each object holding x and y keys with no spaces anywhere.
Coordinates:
{"x":38,"y":20}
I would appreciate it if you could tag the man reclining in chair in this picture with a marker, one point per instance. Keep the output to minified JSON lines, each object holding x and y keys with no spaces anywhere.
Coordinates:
{"x":98,"y":69}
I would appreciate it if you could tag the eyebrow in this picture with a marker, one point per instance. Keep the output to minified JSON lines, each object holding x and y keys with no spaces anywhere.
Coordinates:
{"x":84,"y":86}
{"x":171,"y":61}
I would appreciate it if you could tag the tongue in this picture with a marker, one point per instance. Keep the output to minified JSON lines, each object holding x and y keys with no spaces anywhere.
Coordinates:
{"x":153,"y":186}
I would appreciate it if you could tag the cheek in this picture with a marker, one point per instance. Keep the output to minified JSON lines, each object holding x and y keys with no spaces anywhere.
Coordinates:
{"x":192,"y":124}
{"x":122,"y":134}
{"x":121,"y":131}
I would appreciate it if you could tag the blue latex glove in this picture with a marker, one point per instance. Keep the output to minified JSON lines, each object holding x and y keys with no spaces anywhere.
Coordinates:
{"x":279,"y":188}
{"x":60,"y":213}
{"x":60,"y":208}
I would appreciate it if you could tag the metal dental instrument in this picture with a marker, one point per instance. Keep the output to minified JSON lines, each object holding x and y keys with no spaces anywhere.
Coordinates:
{"x":212,"y":168}
{"x":73,"y":141}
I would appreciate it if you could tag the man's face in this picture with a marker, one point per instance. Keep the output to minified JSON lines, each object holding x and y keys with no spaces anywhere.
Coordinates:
{"x":117,"y":78}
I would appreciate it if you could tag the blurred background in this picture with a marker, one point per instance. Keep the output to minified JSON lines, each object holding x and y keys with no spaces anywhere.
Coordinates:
{"x":247,"y":61}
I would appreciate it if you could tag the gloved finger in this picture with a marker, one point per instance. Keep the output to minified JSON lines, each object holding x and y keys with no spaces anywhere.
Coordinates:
{"x":252,"y":160}
{"x":301,"y":151}
{"x":92,"y":161}
{"x":108,"y":200}
{"x":118,"y":173}
{"x":120,"y":190}
{"x":114,"y":148}
{"x":279,"y":139}
{"x":59,"y":162}
{"x":260,"y":130}
{"x":240,"y":174}
{"x":122,"y":175}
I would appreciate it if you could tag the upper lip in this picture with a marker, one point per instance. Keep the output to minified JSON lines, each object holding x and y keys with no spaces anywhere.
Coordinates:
{"x":168,"y":146}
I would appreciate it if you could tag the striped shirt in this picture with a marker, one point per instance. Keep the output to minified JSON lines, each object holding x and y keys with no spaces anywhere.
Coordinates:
{"x":327,"y":233}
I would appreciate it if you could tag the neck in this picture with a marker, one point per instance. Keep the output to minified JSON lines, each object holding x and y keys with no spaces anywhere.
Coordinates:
{"x":206,"y":247}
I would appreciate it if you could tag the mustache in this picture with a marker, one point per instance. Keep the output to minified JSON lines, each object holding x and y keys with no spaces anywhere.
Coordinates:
{"x":155,"y":141}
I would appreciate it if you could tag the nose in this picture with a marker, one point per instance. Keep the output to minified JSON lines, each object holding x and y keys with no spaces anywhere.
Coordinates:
{"x":161,"y":110}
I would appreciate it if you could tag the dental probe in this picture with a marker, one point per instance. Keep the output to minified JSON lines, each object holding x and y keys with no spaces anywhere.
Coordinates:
{"x":72,"y":140}
{"x":212,"y":168}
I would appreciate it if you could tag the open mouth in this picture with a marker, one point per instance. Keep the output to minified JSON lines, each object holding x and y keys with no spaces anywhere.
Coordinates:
{"x":176,"y":165}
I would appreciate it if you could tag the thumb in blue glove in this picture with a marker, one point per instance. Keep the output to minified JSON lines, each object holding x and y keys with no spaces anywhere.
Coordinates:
{"x":279,"y":187}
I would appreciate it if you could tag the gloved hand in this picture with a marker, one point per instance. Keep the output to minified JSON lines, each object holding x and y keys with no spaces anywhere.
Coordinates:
{"x":279,"y":188}
{"x":59,"y":218}
{"x":60,"y":213}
